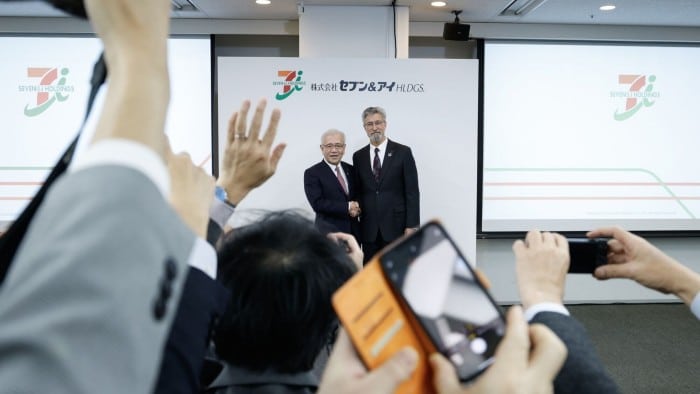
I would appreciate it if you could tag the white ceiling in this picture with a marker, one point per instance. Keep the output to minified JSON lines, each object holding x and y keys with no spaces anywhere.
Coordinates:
{"x":628,"y":12}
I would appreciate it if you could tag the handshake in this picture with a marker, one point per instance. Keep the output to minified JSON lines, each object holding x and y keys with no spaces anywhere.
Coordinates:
{"x":354,"y":209}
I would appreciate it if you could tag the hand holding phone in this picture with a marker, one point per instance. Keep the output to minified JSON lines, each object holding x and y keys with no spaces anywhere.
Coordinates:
{"x":447,"y":298}
{"x":421,"y":292}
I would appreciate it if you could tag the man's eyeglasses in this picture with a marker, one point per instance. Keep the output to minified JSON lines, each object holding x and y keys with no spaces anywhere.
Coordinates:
{"x":331,"y":146}
{"x":375,"y":123}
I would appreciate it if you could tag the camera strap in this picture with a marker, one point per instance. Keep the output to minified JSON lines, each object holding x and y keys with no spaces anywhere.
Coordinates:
{"x":12,"y":238}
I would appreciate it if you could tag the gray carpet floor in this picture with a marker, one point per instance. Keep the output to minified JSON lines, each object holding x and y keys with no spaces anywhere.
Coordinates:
{"x":648,"y":348}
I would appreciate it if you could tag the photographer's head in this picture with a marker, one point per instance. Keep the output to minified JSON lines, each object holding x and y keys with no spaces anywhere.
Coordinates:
{"x":281,"y":272}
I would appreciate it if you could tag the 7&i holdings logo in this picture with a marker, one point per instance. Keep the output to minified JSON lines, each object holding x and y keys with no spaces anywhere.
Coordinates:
{"x":292,"y":83}
{"x":51,"y":88}
{"x":639,"y":95}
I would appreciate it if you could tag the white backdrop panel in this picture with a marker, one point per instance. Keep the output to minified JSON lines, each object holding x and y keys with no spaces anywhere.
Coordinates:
{"x":431,"y":107}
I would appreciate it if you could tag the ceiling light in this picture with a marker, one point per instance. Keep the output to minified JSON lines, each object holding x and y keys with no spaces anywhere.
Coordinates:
{"x":607,"y":7}
{"x":262,"y":2}
{"x":438,"y":3}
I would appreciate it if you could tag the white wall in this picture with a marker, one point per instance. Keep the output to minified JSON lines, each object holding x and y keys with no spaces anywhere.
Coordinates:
{"x":494,"y":257}
{"x":376,"y":32}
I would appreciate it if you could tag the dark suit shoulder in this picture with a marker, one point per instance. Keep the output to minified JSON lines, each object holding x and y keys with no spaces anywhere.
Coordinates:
{"x":363,"y":150}
{"x":315,"y":168}
{"x":395,"y":145}
{"x":583,"y":371}
{"x":320,"y":164}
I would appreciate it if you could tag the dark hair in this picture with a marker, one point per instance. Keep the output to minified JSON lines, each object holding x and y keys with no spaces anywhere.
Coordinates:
{"x":282,"y":273}
{"x":73,"y":7}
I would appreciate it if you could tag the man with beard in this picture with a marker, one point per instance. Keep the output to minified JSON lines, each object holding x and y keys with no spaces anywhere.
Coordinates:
{"x":387,"y":186}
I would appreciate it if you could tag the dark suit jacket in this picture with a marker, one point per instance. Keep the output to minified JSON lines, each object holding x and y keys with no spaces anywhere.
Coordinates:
{"x":328,"y":199}
{"x":392,"y":204}
{"x":583,"y":371}
{"x":203,"y":301}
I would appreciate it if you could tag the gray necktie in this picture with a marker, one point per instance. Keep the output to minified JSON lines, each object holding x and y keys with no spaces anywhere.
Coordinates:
{"x":341,"y":180}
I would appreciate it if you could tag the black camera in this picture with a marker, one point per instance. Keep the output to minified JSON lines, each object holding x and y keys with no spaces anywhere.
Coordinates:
{"x":587,"y":254}
{"x":73,"y":7}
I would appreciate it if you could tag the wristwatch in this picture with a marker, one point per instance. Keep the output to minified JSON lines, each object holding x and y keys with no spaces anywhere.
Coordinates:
{"x":221,"y":194}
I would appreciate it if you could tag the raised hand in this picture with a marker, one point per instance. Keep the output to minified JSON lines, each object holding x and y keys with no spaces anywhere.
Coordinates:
{"x":249,"y":159}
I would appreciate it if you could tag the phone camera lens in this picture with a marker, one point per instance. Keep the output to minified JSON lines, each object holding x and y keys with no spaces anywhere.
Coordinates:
{"x":390,"y":264}
{"x":413,"y":249}
{"x":394,"y":276}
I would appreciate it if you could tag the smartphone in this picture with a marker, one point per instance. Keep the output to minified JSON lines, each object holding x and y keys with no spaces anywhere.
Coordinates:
{"x":587,"y":254}
{"x":446,"y":297}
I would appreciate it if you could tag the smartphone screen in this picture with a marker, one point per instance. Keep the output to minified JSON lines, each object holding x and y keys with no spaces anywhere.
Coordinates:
{"x":442,"y":291}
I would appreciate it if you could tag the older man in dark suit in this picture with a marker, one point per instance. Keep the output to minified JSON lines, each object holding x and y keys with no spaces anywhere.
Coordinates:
{"x":330,"y":187}
{"x":387,"y":186}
